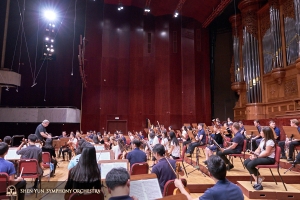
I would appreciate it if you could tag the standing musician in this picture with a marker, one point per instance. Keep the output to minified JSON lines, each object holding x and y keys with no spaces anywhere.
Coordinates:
{"x":291,"y":143}
{"x":153,"y":140}
{"x":32,"y":152}
{"x":164,"y":140}
{"x":162,"y":168}
{"x":41,"y":132}
{"x":263,"y":155}
{"x":217,"y":137}
{"x":235,"y":148}
{"x":222,"y":190}
{"x":200,"y":140}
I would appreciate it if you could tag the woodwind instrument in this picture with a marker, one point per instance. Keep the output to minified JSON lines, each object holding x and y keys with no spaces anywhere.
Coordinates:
{"x":252,"y":152}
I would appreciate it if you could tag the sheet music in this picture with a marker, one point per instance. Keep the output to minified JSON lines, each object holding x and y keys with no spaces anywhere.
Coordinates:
{"x":106,"y":167}
{"x":99,"y":147}
{"x":103,"y":156}
{"x":150,"y":189}
{"x":12,"y":155}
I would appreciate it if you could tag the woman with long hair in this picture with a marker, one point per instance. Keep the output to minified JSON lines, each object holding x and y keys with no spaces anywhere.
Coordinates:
{"x":263,"y":155}
{"x":86,"y":174}
{"x":164,"y":140}
{"x":48,"y":147}
{"x":184,"y":134}
{"x":174,"y":150}
{"x":119,"y":147}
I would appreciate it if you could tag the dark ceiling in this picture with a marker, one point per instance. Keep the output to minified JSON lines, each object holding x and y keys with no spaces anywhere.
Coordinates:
{"x":197,"y":9}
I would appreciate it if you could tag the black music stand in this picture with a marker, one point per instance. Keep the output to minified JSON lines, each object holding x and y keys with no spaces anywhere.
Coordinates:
{"x":16,"y":140}
{"x":197,"y":166}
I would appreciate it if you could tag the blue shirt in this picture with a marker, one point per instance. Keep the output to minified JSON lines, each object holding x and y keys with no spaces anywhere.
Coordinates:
{"x":163,"y":172}
{"x":239,"y":139}
{"x":202,"y":132}
{"x":277,"y":132}
{"x":223,"y":190}
{"x":136,"y":156}
{"x":7,"y":167}
{"x":74,"y":161}
{"x":298,"y":128}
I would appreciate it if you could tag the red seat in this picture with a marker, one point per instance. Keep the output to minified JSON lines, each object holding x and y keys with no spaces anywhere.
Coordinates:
{"x":139,"y":168}
{"x":4,"y":183}
{"x":170,"y":187}
{"x":46,"y":161}
{"x":181,"y":159}
{"x":93,"y":196}
{"x":275,"y":165}
{"x":30,"y":169}
{"x":240,"y":155}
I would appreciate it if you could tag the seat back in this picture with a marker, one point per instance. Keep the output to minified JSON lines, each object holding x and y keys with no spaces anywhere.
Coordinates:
{"x":93,"y":196}
{"x":139,"y":168}
{"x":277,"y":155}
{"x":4,"y":182}
{"x":46,"y":157}
{"x":30,"y":166}
{"x":170,"y":187}
{"x":245,"y":146}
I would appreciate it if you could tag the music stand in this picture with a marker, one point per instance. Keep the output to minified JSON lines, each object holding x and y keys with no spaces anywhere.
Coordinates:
{"x":16,"y":140}
{"x":291,"y":132}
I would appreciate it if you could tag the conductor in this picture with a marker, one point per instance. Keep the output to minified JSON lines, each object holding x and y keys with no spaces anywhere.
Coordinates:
{"x":41,"y":132}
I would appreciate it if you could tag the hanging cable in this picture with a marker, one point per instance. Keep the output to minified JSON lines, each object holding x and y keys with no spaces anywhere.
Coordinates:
{"x":74,"y":38}
{"x":13,"y":59}
{"x":37,"y":39}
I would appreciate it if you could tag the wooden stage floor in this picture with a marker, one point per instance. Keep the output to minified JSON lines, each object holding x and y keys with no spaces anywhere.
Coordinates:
{"x":197,"y":182}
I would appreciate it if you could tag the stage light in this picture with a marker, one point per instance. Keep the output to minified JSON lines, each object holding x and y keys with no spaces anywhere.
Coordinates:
{"x":48,"y":49}
{"x":147,"y":10}
{"x":50,"y":15}
{"x":52,"y":50}
{"x":46,"y":38}
{"x":120,"y":7}
{"x":176,"y":14}
{"x":52,"y":40}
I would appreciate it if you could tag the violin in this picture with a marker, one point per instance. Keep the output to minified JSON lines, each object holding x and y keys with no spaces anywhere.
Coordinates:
{"x":176,"y":190}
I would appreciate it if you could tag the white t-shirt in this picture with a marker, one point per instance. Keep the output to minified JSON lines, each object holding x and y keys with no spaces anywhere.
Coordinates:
{"x":176,"y":150}
{"x":269,"y":143}
{"x":116,"y":149}
{"x":154,"y":141}
{"x":165,"y":143}
{"x":184,"y":133}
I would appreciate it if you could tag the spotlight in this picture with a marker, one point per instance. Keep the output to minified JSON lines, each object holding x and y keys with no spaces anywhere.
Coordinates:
{"x":7,"y":89}
{"x":50,"y":15}
{"x":147,"y":10}
{"x":48,"y":49}
{"x":52,"y":40}
{"x":176,"y":14}
{"x":46,"y":38}
{"x":52,"y":50}
{"x":120,"y":7}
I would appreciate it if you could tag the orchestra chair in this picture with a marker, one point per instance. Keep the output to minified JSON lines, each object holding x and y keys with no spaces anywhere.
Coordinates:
{"x":181,"y":159}
{"x":170,"y":187}
{"x":274,"y":166}
{"x":93,"y":196}
{"x":30,"y":169}
{"x":203,"y":146}
{"x":4,"y":183}
{"x":16,"y":140}
{"x":46,"y":158}
{"x":240,"y":155}
{"x":139,"y":168}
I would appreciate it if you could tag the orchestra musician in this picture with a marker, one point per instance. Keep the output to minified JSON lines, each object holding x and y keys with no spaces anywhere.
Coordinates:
{"x":69,"y":148}
{"x":272,"y":124}
{"x":222,"y":190}
{"x":213,"y":147}
{"x":254,"y":143}
{"x":119,"y":147}
{"x":235,"y":148}
{"x":8,"y":168}
{"x":162,"y":168}
{"x":32,"y":152}
{"x":7,"y":140}
{"x":174,"y":150}
{"x":228,"y":132}
{"x":136,"y":155}
{"x":48,"y":147}
{"x":188,"y":139}
{"x":41,"y":132}
{"x":164,"y":140}
{"x":200,"y":140}
{"x":63,"y":135}
{"x":153,"y":140}
{"x":291,"y":143}
{"x":184,"y":134}
{"x":263,"y":155}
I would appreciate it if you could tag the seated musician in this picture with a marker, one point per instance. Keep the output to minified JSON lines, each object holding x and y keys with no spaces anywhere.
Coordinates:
{"x":141,"y":135}
{"x":7,"y":140}
{"x":41,"y":132}
{"x":118,"y":183}
{"x":70,"y":147}
{"x":78,"y":135}
{"x":174,"y":150}
{"x":228,"y":132}
{"x":263,"y":155}
{"x":184,"y":135}
{"x":100,"y":138}
{"x":63,"y":135}
{"x":81,"y":144}
{"x":153,"y":140}
{"x":222,"y":190}
{"x":290,"y":143}
{"x":276,"y":130}
{"x":8,"y":168}
{"x":188,"y":140}
{"x":122,"y":137}
{"x":136,"y":155}
{"x":235,"y":148}
{"x":32,"y":152}
{"x":242,"y":128}
{"x":118,"y":148}
{"x":258,"y":137}
{"x":164,"y":140}
{"x":48,"y":147}
{"x":200,"y":140}
{"x":96,"y":140}
{"x":162,"y":169}
{"x":86,"y":174}
{"x":213,"y":147}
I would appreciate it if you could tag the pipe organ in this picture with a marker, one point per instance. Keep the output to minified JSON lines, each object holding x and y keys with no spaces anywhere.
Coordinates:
{"x":266,"y":59}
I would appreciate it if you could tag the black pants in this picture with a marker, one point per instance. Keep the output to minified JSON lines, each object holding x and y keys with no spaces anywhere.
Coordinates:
{"x":227,"y":152}
{"x":251,"y":164}
{"x":186,"y":142}
{"x":281,"y":144}
{"x":21,"y":185}
{"x":63,"y":151}
{"x":193,"y":145}
{"x":292,"y":148}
